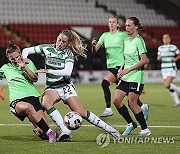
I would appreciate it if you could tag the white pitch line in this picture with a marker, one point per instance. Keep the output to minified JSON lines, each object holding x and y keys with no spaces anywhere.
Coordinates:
{"x":92,"y":125}
{"x":139,"y":126}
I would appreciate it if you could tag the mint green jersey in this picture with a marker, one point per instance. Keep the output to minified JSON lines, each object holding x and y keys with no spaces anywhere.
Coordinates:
{"x":114,"y":45}
{"x":132,"y":52}
{"x":19,"y":84}
{"x":55,"y":60}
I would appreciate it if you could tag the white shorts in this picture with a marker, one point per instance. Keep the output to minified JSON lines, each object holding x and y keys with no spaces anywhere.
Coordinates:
{"x":65,"y":92}
{"x":168,"y":72}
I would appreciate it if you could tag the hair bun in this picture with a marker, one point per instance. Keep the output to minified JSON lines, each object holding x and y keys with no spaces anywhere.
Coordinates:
{"x":140,"y":26}
{"x":11,"y":44}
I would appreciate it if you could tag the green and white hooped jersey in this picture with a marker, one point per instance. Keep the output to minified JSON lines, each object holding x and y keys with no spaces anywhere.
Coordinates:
{"x":167,"y":52}
{"x":55,"y":60}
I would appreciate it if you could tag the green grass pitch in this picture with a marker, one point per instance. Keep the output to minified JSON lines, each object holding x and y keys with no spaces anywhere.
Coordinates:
{"x":163,"y":121}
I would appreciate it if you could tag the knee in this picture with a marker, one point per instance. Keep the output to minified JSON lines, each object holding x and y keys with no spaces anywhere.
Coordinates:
{"x":105,"y":83}
{"x":28,"y":109}
{"x":46,"y":102}
{"x":115,"y":101}
{"x":118,"y":104}
{"x":43,"y":103}
{"x":132,"y":105}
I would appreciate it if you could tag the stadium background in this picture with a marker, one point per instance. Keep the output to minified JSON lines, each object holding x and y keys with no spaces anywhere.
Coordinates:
{"x":31,"y":22}
{"x":37,"y":22}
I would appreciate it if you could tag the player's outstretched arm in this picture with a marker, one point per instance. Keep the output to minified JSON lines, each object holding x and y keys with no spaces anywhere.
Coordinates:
{"x":28,"y":51}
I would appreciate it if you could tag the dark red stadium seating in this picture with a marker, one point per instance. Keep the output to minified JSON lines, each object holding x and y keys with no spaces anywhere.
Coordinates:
{"x":158,"y":31}
{"x":39,"y":33}
{"x":6,"y":36}
{"x":47,"y":33}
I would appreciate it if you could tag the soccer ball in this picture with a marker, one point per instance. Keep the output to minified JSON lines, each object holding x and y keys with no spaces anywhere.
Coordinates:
{"x":73,"y":120}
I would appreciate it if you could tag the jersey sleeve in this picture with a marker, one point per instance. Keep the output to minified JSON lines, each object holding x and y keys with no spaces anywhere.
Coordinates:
{"x":177,"y":51}
{"x":101,"y":39}
{"x":39,"y":49}
{"x":31,"y":66}
{"x":125,"y":35}
{"x":159,"y":51}
{"x":32,"y":50}
{"x":64,"y":72}
{"x":69,"y":56}
{"x":141,"y":46}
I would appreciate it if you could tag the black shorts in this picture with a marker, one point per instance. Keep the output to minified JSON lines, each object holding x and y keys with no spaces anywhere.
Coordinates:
{"x":34,"y":101}
{"x":127,"y":87}
{"x":114,"y":70}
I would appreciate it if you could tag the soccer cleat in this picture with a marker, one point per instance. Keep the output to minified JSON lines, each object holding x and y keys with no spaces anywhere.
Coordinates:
{"x":41,"y":135}
{"x":145,"y":109}
{"x":52,"y":136}
{"x":129,"y":128}
{"x":107,"y":112}
{"x":145,"y":132}
{"x":1,"y":94}
{"x":113,"y":132}
{"x":64,"y":136}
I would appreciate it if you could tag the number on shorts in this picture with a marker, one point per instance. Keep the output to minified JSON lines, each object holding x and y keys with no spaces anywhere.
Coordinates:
{"x":67,"y":89}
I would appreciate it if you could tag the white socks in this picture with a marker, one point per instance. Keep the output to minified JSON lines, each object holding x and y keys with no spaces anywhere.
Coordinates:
{"x":93,"y":119}
{"x":57,"y":118}
{"x":109,"y":109}
{"x":143,"y":107}
{"x":175,"y":97}
{"x":175,"y":93}
{"x":174,"y":87}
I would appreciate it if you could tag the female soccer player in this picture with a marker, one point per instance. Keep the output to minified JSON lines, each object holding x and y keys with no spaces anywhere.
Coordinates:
{"x":168,"y":54}
{"x":59,"y":60}
{"x":113,"y":41}
{"x":132,"y":76}
{"x":24,"y":98}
